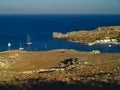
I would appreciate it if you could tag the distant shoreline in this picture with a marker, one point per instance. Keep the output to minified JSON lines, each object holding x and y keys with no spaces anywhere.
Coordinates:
{"x":101,"y":35}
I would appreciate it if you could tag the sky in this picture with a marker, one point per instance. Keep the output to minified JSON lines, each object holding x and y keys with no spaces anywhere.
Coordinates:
{"x":59,"y":6}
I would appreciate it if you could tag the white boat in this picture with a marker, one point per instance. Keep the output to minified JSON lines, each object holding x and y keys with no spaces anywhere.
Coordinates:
{"x":109,"y":45}
{"x":9,"y":44}
{"x":28,"y":40}
{"x":21,"y":48}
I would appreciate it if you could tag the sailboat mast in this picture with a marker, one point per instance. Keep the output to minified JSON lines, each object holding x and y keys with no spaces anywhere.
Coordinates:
{"x":21,"y":48}
{"x":28,"y":40}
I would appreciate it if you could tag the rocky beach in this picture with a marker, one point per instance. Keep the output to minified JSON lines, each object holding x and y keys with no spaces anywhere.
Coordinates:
{"x":59,"y":69}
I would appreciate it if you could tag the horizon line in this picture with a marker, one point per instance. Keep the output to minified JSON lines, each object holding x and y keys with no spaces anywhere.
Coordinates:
{"x":60,"y":14}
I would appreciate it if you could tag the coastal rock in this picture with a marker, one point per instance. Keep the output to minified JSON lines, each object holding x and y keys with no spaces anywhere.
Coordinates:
{"x":95,"y":52}
{"x":59,"y":35}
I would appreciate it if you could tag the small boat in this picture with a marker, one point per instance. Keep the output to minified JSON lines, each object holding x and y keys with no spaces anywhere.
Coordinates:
{"x":9,"y":44}
{"x":109,"y":45}
{"x":28,"y":40}
{"x":21,"y":48}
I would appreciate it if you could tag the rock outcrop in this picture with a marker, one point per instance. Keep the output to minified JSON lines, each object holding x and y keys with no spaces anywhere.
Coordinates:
{"x":95,"y":52}
{"x":58,"y":35}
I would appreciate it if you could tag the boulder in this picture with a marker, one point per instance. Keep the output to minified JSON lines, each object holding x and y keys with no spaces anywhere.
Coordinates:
{"x":95,"y":52}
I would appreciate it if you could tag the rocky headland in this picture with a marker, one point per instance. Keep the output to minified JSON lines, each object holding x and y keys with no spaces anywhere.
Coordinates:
{"x":59,"y":70}
{"x":109,"y":34}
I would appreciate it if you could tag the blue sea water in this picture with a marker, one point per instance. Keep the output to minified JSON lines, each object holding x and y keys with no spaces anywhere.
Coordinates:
{"x":14,"y":28}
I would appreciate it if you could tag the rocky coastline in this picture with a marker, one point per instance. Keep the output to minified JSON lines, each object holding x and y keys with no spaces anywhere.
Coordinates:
{"x":101,"y":35}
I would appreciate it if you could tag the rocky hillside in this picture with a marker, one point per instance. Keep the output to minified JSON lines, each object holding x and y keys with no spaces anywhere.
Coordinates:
{"x":111,"y":33}
{"x":61,"y":69}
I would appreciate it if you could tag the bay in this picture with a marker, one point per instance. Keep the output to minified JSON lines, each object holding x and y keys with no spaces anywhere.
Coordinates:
{"x":14,"y":28}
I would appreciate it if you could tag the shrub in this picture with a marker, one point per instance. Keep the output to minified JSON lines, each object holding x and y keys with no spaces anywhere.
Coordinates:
{"x":76,"y":59}
{"x":63,"y":51}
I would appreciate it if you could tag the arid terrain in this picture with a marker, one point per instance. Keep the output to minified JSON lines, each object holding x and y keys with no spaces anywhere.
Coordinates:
{"x":59,"y":70}
{"x":109,"y":34}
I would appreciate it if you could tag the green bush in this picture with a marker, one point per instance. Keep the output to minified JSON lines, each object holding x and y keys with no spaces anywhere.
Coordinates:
{"x":76,"y":59}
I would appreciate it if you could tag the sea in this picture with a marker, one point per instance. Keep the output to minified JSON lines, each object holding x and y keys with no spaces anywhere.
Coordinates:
{"x":14,"y":30}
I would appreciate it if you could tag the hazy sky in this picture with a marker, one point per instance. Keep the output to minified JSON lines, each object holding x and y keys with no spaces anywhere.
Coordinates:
{"x":59,"y":6}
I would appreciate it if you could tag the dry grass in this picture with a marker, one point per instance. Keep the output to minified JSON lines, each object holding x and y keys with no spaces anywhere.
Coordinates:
{"x":26,"y":61}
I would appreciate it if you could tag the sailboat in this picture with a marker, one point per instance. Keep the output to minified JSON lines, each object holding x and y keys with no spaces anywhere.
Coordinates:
{"x":21,"y":48}
{"x":9,"y":45}
{"x":28,"y":40}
